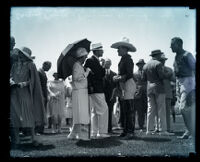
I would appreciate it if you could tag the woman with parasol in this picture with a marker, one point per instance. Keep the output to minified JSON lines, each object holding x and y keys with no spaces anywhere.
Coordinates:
{"x":80,"y":105}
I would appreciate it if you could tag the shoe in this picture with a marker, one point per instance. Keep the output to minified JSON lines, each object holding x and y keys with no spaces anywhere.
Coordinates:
{"x":141,"y":130}
{"x":104,"y":135}
{"x":53,"y":131}
{"x":166,"y":134}
{"x":150,"y":133}
{"x":37,"y":134}
{"x":71,"y":137}
{"x":155,"y":131}
{"x":129,"y":136}
{"x":123,"y":134}
{"x":36,"y":143}
{"x":94,"y":135}
{"x":184,"y":136}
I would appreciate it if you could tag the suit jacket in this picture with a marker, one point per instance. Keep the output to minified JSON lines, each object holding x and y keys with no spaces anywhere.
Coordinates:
{"x":155,"y":74}
{"x":43,"y":81}
{"x":95,"y":79}
{"x":109,"y":85}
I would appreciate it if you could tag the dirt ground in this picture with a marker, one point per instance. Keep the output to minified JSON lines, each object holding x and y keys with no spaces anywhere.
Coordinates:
{"x":142,"y":145}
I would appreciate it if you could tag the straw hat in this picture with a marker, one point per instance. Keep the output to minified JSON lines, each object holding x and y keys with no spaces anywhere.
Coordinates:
{"x":124,"y":43}
{"x":97,"y":46}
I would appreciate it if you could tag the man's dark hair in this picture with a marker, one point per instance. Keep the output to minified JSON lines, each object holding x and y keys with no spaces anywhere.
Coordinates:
{"x":178,"y":40}
{"x":47,"y":63}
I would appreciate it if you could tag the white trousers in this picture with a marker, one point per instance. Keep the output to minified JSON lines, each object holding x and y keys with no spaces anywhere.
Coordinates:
{"x":156,"y":108}
{"x":99,"y":114}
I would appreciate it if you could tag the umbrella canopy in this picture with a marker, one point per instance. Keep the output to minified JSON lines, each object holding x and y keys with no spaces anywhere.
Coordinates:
{"x":67,"y":58}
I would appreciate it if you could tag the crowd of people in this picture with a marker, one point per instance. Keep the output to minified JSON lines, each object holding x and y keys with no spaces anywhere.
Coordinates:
{"x":97,"y":97}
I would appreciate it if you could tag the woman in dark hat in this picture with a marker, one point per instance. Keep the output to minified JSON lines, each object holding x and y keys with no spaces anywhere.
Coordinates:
{"x":26,"y":105}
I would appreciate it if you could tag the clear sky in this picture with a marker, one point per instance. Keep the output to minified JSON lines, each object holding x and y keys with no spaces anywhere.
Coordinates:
{"x":48,"y":30}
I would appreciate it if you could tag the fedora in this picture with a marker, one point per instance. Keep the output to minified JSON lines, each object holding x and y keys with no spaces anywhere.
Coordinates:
{"x":156,"y":52}
{"x":27,"y":52}
{"x":97,"y":46}
{"x":124,"y":43}
{"x":141,"y":61}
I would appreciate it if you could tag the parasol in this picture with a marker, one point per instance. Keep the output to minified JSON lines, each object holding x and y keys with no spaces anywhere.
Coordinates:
{"x":67,"y":58}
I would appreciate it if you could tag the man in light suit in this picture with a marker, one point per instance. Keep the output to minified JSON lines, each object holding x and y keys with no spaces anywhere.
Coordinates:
{"x":99,"y":108}
{"x":154,"y":74}
{"x":109,"y":85}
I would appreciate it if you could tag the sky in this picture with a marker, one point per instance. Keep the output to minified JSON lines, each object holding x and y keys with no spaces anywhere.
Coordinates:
{"x":48,"y":30}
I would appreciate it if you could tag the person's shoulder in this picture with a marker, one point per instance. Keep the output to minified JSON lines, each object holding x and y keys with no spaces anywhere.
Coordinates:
{"x":89,"y":59}
{"x":113,"y":72}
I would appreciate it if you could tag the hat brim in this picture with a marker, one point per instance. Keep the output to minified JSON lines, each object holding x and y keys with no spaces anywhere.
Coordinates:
{"x":26,"y":54}
{"x":97,"y":49}
{"x":130,"y":47}
{"x":140,"y":63}
{"x":156,"y":54}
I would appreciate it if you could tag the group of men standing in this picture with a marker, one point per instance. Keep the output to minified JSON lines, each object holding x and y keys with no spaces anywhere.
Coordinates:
{"x":149,"y":91}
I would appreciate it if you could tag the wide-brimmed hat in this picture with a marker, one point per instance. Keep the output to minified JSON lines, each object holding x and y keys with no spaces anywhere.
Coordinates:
{"x":81,"y":52}
{"x":124,"y":43}
{"x":96,"y":46}
{"x":141,"y":61}
{"x":156,"y":52}
{"x":27,"y":52}
{"x":162,"y":57}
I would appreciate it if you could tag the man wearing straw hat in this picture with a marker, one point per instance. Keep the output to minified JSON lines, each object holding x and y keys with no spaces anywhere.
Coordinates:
{"x":99,"y":108}
{"x":128,"y":86}
{"x":154,"y":74}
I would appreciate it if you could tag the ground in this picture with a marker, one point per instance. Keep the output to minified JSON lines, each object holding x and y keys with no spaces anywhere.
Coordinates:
{"x":57,"y":145}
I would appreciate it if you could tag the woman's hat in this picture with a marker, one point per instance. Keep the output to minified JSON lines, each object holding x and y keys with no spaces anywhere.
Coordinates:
{"x":124,"y":43}
{"x":141,"y":61}
{"x":81,"y":52}
{"x":156,"y":52}
{"x":97,"y":46}
{"x":27,"y":52}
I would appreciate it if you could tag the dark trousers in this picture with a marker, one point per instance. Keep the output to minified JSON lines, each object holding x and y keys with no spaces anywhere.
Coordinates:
{"x":129,"y":116}
{"x":110,"y":111}
{"x":121,"y":118}
{"x":140,"y":106}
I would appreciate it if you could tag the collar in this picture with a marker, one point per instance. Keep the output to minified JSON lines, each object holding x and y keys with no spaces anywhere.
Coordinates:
{"x":96,"y":57}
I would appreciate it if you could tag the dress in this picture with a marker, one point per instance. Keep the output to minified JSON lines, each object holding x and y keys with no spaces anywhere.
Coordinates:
{"x":56,"y":105}
{"x":26,"y":104}
{"x":80,"y":103}
{"x":68,"y":104}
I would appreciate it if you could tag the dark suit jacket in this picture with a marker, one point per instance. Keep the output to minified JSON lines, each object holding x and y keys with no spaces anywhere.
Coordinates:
{"x":109,"y":85}
{"x":95,"y":80}
{"x":43,"y":81}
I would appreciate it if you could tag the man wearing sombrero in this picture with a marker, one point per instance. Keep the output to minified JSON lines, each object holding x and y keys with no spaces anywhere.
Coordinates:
{"x":128,"y":86}
{"x":154,"y":74}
